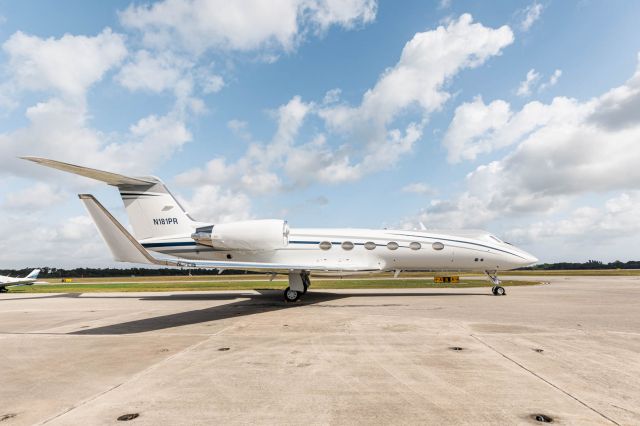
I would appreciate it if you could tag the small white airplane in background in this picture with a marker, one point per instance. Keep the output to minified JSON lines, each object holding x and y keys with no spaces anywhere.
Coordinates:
{"x":161,"y":225}
{"x":7,"y":281}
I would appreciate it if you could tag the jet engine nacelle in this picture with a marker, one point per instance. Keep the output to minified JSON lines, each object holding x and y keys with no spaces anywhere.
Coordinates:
{"x":266,"y":234}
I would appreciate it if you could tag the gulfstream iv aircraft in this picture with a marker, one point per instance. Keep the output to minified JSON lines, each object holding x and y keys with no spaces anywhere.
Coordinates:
{"x":6,"y":281}
{"x":164,"y":234}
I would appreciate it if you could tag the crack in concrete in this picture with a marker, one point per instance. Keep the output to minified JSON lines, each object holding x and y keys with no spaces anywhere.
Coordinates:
{"x":545,"y":380}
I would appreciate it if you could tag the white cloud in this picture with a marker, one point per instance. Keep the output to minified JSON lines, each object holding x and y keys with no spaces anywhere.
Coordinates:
{"x":211,"y":203}
{"x":553,"y":80}
{"x":531,"y":14}
{"x":332,"y":96}
{"x":72,"y":242}
{"x":240,"y":128}
{"x":472,"y":121}
{"x":61,"y":131}
{"x":564,"y":149}
{"x":428,"y":61}
{"x":68,"y":65}
{"x":525,"y":86}
{"x":40,"y":195}
{"x":419,"y":188}
{"x":249,"y":25}
{"x":152,"y":72}
{"x":252,"y":172}
{"x":346,"y":13}
{"x":618,"y":217}
{"x":444,"y":4}
{"x":212,"y":83}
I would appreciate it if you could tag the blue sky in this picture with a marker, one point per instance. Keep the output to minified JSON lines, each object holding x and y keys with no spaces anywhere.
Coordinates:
{"x":519,"y":117}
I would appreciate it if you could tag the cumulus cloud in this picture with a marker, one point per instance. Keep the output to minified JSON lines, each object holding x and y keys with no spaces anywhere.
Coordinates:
{"x":253,"y":171}
{"x":71,"y":242}
{"x":553,"y":80}
{"x":428,"y":61}
{"x":563,"y":150}
{"x":530,"y":15}
{"x":250,"y":25}
{"x":67,"y":66}
{"x":59,"y":130}
{"x":152,"y":72}
{"x":211,"y":203}
{"x":618,"y":217}
{"x":527,"y":85}
{"x":370,"y":141}
{"x":38,"y":196}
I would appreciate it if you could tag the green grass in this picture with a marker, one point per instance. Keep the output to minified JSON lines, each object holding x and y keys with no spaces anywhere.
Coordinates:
{"x":578,"y":272}
{"x":169,"y":285}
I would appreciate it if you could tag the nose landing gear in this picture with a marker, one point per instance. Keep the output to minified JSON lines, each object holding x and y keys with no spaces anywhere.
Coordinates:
{"x":497,"y":289}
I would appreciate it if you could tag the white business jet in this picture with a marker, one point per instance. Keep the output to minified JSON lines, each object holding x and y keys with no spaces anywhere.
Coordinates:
{"x":164,"y":234}
{"x":7,"y":281}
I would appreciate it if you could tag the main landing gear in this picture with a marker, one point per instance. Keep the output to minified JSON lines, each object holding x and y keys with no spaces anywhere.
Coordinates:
{"x":497,"y":289}
{"x":3,"y":290}
{"x":299,"y":283}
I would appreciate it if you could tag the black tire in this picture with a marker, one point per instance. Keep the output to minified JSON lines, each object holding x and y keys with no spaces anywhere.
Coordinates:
{"x":493,"y":290}
{"x":3,"y":290}
{"x":291,"y":295}
{"x":500,"y":291}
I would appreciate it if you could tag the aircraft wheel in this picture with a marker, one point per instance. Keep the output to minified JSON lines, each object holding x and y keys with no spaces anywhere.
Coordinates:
{"x":499,"y":291}
{"x":291,"y":295}
{"x":3,"y":290}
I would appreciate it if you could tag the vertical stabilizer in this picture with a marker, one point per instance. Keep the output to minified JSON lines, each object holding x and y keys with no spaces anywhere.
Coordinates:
{"x":154,"y":212}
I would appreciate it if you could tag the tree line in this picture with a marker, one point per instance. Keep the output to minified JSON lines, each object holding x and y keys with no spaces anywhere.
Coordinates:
{"x":49,"y":272}
{"x":590,"y":264}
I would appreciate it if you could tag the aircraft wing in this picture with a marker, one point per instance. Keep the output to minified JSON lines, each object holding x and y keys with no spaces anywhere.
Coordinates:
{"x":125,"y":248}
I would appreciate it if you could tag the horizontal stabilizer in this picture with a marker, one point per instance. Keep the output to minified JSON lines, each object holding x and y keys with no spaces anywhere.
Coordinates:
{"x":108,"y":177}
{"x":123,"y":246}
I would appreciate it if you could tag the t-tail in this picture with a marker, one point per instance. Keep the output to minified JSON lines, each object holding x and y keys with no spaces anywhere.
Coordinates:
{"x":152,"y":210}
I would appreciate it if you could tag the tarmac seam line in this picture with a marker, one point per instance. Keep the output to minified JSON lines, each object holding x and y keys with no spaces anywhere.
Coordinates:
{"x":545,"y":380}
{"x":132,"y":378}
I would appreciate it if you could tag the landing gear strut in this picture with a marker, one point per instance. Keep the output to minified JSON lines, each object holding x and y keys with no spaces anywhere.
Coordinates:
{"x":497,"y":289}
{"x":299,"y":283}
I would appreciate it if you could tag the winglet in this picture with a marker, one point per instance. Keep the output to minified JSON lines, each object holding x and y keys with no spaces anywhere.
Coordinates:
{"x":123,"y":246}
{"x":108,"y":177}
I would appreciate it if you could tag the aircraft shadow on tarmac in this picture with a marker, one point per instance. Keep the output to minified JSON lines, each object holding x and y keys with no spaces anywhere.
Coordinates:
{"x":249,"y":304}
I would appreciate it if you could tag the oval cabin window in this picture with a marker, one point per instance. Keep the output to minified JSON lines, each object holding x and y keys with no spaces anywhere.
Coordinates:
{"x":415,"y":246}
{"x":437,"y":245}
{"x":392,"y":245}
{"x":325,"y":245}
{"x":347,"y":245}
{"x":369,"y":245}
